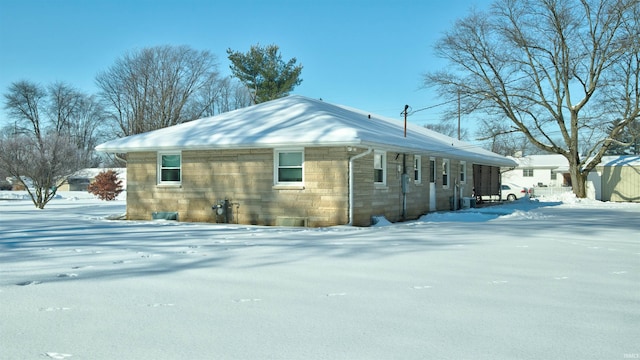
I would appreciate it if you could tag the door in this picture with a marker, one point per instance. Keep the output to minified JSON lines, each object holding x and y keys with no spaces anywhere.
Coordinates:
{"x":432,"y":184}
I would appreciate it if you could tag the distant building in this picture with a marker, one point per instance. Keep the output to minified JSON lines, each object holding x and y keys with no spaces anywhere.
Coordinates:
{"x":80,"y":180}
{"x":616,"y":178}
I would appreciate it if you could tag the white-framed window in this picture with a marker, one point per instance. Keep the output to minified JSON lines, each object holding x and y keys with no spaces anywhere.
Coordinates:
{"x":379,"y":167}
{"x":554,"y":175}
{"x":445,"y":173}
{"x":527,"y":172}
{"x":463,"y":172}
{"x":288,"y":166}
{"x":417,"y":169}
{"x":432,"y":170}
{"x":169,"y":168}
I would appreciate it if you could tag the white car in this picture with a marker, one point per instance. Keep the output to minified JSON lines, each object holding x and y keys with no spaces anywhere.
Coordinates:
{"x":512,"y":192}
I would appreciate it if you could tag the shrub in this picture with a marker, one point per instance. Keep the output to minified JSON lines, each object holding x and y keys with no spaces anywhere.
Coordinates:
{"x":106,"y":186}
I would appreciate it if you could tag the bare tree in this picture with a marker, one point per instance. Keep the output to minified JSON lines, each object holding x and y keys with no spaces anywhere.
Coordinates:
{"x":50,"y":138}
{"x":564,"y":73}
{"x":158,"y":87}
{"x":41,"y":165}
{"x":505,"y":140}
{"x":448,"y":128}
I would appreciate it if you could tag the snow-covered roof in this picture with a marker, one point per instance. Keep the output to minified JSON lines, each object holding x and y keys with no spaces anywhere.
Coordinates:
{"x":552,"y":161}
{"x":303,"y":122}
{"x":630,"y":160}
{"x":90,"y":173}
{"x":560,"y":163}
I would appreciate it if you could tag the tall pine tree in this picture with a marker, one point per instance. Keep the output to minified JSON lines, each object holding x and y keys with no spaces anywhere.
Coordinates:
{"x":264,"y":73}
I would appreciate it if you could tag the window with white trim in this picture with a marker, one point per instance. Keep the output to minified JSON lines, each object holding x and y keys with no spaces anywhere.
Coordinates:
{"x":417,"y":169}
{"x":527,"y":172}
{"x":445,"y":173}
{"x":288,"y":165}
{"x":463,"y":172}
{"x":379,"y":167}
{"x":169,"y":168}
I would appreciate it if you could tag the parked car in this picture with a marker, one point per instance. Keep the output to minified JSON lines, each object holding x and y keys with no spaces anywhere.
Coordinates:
{"x":512,"y":192}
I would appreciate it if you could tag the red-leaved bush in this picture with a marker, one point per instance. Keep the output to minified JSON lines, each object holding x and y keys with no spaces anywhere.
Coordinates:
{"x":106,"y":186}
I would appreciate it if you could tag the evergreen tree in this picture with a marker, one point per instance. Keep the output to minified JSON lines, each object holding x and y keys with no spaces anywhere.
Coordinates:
{"x":264,"y":73}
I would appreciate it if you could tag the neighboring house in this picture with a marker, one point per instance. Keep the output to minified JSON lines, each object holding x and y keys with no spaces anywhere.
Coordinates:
{"x":300,"y":161}
{"x":616,"y":178}
{"x":539,"y":171}
{"x":80,"y":180}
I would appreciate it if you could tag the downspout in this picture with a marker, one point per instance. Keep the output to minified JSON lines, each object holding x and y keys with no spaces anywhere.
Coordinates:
{"x":351,"y":184}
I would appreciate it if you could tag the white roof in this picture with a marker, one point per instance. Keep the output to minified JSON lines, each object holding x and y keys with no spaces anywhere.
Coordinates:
{"x":91,"y":173}
{"x":552,"y":161}
{"x":302,"y":122}
{"x":560,"y":163}
{"x":630,"y":160}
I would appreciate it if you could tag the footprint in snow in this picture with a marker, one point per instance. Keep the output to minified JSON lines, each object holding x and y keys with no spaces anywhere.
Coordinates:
{"x":48,"y":309}
{"x":159,"y":305}
{"x":55,"y":355}
{"x":29,"y":282}
{"x":246,"y":300}
{"x":67,"y":275}
{"x":561,"y":278}
{"x":499,"y":282}
{"x":336,"y":294}
{"x":422,"y":287}
{"x":618,"y":272}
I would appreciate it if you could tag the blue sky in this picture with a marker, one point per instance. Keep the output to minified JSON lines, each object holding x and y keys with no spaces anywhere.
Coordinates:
{"x":365,"y":54}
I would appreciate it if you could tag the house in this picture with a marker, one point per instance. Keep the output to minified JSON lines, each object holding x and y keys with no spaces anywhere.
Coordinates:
{"x":300,"y":161}
{"x":616,"y":178}
{"x":80,"y":180}
{"x":539,"y":170}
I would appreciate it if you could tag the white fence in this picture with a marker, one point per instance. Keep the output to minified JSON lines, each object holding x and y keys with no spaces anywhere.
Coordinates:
{"x":542,"y":191}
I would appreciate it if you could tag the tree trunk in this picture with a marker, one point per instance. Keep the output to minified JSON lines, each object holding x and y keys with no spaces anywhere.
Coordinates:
{"x":578,"y":181}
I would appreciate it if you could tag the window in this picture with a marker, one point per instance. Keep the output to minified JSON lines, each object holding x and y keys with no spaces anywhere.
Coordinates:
{"x":417,"y":169}
{"x":288,"y":166}
{"x":463,"y":172}
{"x":169,"y":168}
{"x":445,"y":173}
{"x":554,"y":175}
{"x":379,"y":167}
{"x":527,"y":172}
{"x":432,"y":170}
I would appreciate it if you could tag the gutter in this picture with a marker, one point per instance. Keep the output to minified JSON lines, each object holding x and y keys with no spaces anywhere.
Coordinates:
{"x":351,"y":183}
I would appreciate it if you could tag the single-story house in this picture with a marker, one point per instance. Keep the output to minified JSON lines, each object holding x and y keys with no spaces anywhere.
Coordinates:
{"x":300,"y":161}
{"x":80,"y":180}
{"x":538,"y":170}
{"x":616,"y":178}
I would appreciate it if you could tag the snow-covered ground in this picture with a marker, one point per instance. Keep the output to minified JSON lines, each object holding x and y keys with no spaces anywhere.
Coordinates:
{"x":524,"y":280}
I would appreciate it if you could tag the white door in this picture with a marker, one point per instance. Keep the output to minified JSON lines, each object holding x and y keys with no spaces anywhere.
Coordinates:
{"x":432,"y":184}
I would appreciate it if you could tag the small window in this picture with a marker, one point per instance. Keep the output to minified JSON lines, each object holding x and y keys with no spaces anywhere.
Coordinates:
{"x":445,"y":173}
{"x":288,"y":166}
{"x":432,"y":170}
{"x":379,"y":167}
{"x":527,"y":172}
{"x":463,"y":172}
{"x":169,"y":168}
{"x":417,"y":169}
{"x":554,"y":175}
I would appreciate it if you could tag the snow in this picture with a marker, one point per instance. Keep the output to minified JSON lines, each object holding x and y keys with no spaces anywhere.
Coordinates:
{"x":552,"y":279}
{"x":300,"y":121}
